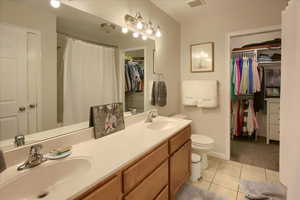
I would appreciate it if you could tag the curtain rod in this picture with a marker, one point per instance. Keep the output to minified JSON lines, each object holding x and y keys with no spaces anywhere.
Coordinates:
{"x":88,"y":41}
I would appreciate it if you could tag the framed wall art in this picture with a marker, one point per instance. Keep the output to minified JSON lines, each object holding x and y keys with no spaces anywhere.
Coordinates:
{"x":107,"y":119}
{"x":202,"y":57}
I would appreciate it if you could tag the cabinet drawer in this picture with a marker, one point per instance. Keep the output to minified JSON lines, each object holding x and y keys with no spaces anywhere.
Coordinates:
{"x":152,"y":185}
{"x":111,"y":190}
{"x":143,"y":168}
{"x":163,"y":195}
{"x":274,"y":118}
{"x":274,"y":132}
{"x":274,"y":108}
{"x":182,"y":137}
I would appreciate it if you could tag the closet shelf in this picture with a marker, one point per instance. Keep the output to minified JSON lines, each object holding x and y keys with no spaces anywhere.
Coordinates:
{"x":241,"y":50}
{"x":269,"y":62}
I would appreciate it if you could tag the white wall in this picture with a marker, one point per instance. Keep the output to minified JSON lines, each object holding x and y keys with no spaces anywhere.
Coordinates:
{"x":19,"y":14}
{"x":168,"y":47}
{"x":289,"y":104}
{"x":214,"y":27}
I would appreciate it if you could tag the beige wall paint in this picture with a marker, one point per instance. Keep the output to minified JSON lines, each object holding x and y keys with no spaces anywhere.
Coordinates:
{"x":168,"y":47}
{"x":19,"y":14}
{"x":214,"y":27}
{"x":289,"y":104}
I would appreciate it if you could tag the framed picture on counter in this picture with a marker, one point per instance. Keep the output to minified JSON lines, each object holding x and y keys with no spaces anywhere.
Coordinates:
{"x":202,"y":57}
{"x":107,"y":119}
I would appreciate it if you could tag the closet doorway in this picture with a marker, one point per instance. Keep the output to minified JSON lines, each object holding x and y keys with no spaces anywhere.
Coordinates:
{"x":255,"y":66}
{"x":134,"y":78}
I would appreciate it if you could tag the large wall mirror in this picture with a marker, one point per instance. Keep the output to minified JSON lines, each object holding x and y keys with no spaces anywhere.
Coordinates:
{"x":56,"y":63}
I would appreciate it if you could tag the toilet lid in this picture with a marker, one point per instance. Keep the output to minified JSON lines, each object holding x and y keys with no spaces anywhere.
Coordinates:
{"x":201,"y":139}
{"x":196,"y":158}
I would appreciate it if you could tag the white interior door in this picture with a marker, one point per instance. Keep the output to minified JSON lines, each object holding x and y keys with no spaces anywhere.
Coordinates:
{"x":33,"y":66}
{"x":13,"y":79}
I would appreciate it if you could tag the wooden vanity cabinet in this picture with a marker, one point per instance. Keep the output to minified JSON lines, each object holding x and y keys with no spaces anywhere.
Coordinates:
{"x":157,"y":175}
{"x":111,"y":190}
{"x":179,"y":168}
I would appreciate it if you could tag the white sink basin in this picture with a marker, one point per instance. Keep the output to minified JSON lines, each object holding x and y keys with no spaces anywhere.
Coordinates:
{"x":41,"y":180}
{"x":162,"y":124}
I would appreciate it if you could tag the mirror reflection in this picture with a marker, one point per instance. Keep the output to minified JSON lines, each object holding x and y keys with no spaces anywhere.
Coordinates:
{"x":57,"y":62}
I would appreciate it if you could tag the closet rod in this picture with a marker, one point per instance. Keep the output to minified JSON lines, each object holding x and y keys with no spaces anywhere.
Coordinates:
{"x":88,"y":41}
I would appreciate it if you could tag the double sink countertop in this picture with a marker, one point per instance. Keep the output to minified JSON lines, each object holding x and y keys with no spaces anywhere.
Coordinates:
{"x":90,"y":163}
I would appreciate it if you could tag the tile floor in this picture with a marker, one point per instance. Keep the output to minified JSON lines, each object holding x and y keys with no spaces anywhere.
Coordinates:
{"x":223,"y":177}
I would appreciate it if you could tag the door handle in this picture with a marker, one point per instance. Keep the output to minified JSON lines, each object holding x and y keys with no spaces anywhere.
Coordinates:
{"x":22,"y":109}
{"x":32,"y":105}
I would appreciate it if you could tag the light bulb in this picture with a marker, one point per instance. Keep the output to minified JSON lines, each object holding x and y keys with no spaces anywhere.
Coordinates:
{"x":136,"y":34}
{"x":149,"y":31}
{"x":158,"y":33}
{"x":55,"y":3}
{"x":144,"y":37}
{"x":139,"y":25}
{"x":124,"y":30}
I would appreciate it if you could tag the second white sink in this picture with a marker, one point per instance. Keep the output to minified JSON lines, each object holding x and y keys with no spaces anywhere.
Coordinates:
{"x":161,"y":124}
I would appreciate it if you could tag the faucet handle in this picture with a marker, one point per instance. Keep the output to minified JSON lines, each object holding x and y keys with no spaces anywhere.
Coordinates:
{"x":154,"y":113}
{"x":35,"y":149}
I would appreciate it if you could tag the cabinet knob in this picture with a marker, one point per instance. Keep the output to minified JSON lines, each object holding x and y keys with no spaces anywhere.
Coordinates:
{"x":32,"y":105}
{"x":22,"y":109}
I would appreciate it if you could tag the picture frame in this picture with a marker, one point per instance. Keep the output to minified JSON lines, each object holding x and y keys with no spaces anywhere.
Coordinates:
{"x":202,"y":57}
{"x":107,"y":119}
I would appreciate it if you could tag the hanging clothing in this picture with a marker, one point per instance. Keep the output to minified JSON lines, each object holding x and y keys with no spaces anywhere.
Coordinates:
{"x":245,"y":78}
{"x":244,"y":121}
{"x":134,"y":77}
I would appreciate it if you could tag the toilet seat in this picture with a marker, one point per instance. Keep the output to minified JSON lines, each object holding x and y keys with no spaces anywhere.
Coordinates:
{"x":202,"y":141}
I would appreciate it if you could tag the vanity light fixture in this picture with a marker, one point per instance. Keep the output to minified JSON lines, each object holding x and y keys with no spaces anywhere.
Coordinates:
{"x":135,"y":34}
{"x":149,"y":30}
{"x":124,"y":30}
{"x":139,"y":21}
{"x":145,"y":37}
{"x":55,"y":3}
{"x":140,"y":27}
{"x":158,"y":33}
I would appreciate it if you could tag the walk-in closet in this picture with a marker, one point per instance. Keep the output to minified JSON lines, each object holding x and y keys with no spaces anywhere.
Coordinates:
{"x":134,"y":81}
{"x":255,"y":98}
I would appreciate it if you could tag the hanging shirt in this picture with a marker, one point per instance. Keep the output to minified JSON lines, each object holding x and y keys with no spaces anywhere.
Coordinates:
{"x":244,"y":79}
{"x":250,"y":82}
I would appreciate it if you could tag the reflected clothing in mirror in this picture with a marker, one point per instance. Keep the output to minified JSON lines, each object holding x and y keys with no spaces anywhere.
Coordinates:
{"x":134,"y":77}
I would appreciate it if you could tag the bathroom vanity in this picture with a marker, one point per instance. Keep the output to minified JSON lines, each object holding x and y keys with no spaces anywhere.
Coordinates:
{"x":145,"y":161}
{"x":158,"y":174}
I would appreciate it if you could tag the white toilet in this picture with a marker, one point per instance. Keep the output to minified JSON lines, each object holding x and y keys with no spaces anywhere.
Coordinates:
{"x":201,"y":144}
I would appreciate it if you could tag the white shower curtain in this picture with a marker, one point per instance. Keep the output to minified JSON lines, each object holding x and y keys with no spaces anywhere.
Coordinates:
{"x":90,"y":78}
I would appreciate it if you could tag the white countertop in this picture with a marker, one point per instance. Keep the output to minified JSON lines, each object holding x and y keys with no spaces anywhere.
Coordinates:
{"x":107,"y":156}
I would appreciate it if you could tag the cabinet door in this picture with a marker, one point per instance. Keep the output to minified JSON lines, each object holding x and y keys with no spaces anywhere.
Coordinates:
{"x":180,"y":164}
{"x":152,"y":185}
{"x":109,"y":191}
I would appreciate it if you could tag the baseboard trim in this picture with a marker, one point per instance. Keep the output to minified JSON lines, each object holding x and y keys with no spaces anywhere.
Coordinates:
{"x":217,"y":155}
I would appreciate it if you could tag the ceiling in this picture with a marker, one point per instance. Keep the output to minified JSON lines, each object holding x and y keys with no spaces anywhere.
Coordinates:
{"x":181,"y":12}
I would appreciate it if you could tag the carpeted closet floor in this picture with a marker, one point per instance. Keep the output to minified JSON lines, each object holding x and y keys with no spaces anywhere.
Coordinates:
{"x":256,"y":153}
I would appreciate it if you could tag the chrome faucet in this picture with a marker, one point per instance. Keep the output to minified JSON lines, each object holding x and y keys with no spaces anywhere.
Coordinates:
{"x":35,"y":158}
{"x":151,"y":115}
